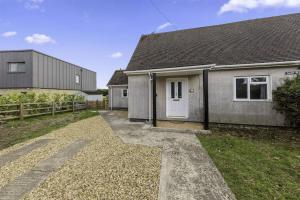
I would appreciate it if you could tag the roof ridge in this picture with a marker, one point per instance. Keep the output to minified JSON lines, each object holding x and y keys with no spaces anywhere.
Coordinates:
{"x":225,"y":24}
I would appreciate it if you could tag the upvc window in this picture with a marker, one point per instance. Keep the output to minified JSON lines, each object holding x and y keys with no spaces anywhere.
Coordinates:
{"x":77,"y":79}
{"x":18,"y":67}
{"x":124,"y":92}
{"x":252,"y":88}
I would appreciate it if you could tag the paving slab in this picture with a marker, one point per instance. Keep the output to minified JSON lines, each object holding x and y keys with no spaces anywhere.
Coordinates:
{"x":187,"y":172}
{"x":13,"y":155}
{"x":26,"y":182}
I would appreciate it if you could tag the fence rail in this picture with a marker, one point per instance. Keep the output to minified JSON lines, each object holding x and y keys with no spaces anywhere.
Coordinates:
{"x":23,"y":110}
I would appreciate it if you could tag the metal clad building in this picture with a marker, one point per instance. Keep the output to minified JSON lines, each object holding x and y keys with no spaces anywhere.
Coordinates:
{"x":32,"y":69}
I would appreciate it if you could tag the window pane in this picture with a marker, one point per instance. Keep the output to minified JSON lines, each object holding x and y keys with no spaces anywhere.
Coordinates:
{"x":172,"y":90}
{"x":241,"y":88}
{"x":258,"y":91}
{"x":13,"y":68}
{"x":16,"y":67}
{"x":179,"y":90}
{"x":258,"y":79}
{"x":124,"y":93}
{"x":77,"y":79}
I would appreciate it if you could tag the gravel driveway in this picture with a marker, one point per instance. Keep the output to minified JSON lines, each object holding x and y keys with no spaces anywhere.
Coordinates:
{"x":187,"y":170}
{"x":104,"y":168}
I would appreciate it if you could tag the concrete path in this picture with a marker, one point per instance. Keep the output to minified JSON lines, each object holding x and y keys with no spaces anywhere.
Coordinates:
{"x":187,"y":171}
{"x":13,"y":155}
{"x":26,"y":182}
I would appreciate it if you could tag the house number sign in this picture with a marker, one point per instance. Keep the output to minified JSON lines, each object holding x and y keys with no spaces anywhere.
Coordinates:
{"x":293,"y":73}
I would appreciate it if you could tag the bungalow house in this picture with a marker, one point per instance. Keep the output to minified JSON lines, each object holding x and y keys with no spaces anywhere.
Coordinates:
{"x":216,"y":74}
{"x":118,"y":91}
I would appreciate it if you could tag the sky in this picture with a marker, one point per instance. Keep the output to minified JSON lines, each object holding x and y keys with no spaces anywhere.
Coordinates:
{"x":101,"y":35}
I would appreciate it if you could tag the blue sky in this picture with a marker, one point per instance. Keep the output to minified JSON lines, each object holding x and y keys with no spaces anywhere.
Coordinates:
{"x":102,"y":34}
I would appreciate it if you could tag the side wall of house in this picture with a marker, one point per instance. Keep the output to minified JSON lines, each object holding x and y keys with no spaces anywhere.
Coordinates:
{"x":223,"y":108}
{"x":116,"y":100}
{"x":138,"y":98}
{"x":52,"y":73}
{"x":15,"y":80}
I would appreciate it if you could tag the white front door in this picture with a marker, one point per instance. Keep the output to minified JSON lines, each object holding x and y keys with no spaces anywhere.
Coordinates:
{"x":177,"y":98}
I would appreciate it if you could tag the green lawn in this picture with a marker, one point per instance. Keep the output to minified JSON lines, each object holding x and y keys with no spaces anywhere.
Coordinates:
{"x":257,"y":164}
{"x":17,"y":131}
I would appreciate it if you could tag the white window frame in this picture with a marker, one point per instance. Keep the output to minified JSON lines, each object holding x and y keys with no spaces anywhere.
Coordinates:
{"x":17,"y":70}
{"x":77,"y":81}
{"x":122,"y":93}
{"x":249,"y":83}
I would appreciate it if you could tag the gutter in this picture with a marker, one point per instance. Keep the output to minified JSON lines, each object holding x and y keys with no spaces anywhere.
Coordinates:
{"x":215,"y":67}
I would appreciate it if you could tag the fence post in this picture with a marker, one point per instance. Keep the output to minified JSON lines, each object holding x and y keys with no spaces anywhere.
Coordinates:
{"x":53,"y":108}
{"x":21,"y":111}
{"x":73,"y":106}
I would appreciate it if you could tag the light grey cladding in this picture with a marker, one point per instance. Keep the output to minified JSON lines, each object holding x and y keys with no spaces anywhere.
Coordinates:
{"x":52,"y":73}
{"x":223,"y":108}
{"x":15,"y":80}
{"x":138,"y":99}
{"x":116,"y":99}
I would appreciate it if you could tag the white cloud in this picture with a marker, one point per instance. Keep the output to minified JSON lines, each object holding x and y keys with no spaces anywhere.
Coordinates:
{"x":33,"y":4}
{"x":9,"y":34}
{"x":116,"y":55}
{"x":245,"y":5}
{"x":39,"y":39}
{"x":163,"y":26}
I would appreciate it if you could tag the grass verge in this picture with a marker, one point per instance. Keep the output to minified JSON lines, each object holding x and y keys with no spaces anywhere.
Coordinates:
{"x":257,"y":164}
{"x":17,"y":131}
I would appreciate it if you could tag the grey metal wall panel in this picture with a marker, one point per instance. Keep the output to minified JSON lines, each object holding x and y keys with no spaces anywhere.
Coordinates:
{"x":43,"y":71}
{"x":16,"y":80}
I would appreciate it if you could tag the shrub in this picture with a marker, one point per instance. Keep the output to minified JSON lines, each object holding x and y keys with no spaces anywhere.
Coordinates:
{"x":32,"y":97}
{"x":287,"y":100}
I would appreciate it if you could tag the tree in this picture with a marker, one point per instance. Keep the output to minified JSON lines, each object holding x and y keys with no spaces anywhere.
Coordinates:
{"x":104,"y":92}
{"x":287,"y":100}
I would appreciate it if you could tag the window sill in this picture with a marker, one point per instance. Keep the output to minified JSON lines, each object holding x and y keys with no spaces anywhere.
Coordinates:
{"x":16,"y":72}
{"x":247,"y":100}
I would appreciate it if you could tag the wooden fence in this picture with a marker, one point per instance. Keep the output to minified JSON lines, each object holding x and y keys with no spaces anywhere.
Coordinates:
{"x":23,"y":110}
{"x":99,"y":105}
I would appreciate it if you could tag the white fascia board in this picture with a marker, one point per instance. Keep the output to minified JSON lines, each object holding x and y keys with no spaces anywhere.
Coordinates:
{"x":257,"y":65}
{"x":173,"y":69}
{"x":215,"y":67}
{"x":117,"y":85}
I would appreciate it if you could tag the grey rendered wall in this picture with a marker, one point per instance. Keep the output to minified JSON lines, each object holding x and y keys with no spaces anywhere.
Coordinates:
{"x":138,"y":99}
{"x":195,"y":97}
{"x":117,"y":100}
{"x":15,"y":80}
{"x":223,"y":109}
{"x":52,"y":73}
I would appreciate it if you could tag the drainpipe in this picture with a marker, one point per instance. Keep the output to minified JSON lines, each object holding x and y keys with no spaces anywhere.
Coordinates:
{"x":111,"y":97}
{"x":150,"y":92}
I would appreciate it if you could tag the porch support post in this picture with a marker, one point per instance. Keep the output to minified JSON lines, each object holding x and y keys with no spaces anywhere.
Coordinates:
{"x":154,"y":120}
{"x":205,"y":99}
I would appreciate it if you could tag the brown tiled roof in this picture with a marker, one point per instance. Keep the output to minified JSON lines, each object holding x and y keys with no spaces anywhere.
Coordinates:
{"x":271,"y":39}
{"x":118,"y":78}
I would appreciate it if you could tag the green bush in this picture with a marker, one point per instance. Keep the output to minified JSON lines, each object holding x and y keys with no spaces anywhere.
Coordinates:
{"x":32,"y":97}
{"x":287,"y":100}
